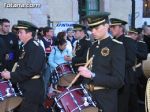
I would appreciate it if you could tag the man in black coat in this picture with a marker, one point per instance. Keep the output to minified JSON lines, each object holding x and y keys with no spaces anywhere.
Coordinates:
{"x":107,"y":68}
{"x":81,"y":47}
{"x":11,"y":44}
{"x":141,"y":55}
{"x":2,"y":53}
{"x":28,"y":71}
{"x":146,"y":31}
{"x":126,"y":99}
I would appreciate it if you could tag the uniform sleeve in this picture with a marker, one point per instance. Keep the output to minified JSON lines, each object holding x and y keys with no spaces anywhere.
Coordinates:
{"x":51,"y":58}
{"x":142,"y":51}
{"x":82,"y":58}
{"x":33,"y":65}
{"x":116,"y":78}
{"x":130,"y":52}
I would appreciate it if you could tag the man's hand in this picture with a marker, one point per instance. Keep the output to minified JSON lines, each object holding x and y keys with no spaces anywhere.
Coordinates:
{"x":85,"y":72}
{"x":5,"y":75}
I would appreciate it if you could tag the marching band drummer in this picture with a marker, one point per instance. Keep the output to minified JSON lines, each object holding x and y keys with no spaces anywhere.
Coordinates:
{"x":108,"y":66}
{"x":28,"y":71}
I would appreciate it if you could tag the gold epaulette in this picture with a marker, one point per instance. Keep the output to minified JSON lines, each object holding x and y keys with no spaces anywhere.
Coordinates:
{"x":128,"y":36}
{"x":141,"y":41}
{"x":117,"y":41}
{"x":36,"y":43}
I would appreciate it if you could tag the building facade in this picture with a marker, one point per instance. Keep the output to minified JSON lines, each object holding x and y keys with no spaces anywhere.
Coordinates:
{"x":71,"y":11}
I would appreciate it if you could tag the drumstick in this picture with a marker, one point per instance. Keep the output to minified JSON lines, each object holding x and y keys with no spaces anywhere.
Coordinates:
{"x":79,"y":64}
{"x":78,"y":75}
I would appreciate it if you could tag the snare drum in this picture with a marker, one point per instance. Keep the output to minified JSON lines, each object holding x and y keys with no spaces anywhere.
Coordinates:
{"x":10,"y":97}
{"x":75,"y":99}
{"x":63,"y":74}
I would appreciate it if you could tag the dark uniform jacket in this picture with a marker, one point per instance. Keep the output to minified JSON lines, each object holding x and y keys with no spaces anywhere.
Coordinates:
{"x":31,"y":63}
{"x":109,"y":67}
{"x":81,"y":51}
{"x":147,"y":41}
{"x":141,"y":54}
{"x":11,"y":50}
{"x":2,"y":54}
{"x":130,"y":55}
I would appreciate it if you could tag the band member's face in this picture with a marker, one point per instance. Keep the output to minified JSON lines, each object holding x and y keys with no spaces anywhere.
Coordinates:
{"x":100,"y":31}
{"x":5,"y":27}
{"x":23,"y":35}
{"x":62,"y":47}
{"x":77,"y":34}
{"x":133,"y":36}
{"x":115,"y":30}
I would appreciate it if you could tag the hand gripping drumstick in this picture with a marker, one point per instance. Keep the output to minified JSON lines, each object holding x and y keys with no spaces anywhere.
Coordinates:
{"x":78,"y":75}
{"x":14,"y":67}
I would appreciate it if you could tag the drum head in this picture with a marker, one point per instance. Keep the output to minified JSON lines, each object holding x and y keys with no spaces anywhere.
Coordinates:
{"x":90,"y":109}
{"x":66,"y":79}
{"x":2,"y":106}
{"x":12,"y":102}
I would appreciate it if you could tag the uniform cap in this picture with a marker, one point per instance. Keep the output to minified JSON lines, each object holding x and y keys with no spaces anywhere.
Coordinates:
{"x":78,"y":27}
{"x":95,"y":20}
{"x":26,"y":25}
{"x":133,"y":30}
{"x":115,"y":22}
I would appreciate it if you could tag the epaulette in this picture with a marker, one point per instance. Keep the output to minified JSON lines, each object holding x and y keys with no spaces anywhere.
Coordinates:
{"x":127,"y":36}
{"x":141,"y":41}
{"x":117,"y":41}
{"x":88,"y":39}
{"x":36,"y":43}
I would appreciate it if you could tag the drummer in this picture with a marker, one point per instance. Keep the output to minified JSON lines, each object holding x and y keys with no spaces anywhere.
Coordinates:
{"x":108,"y":66}
{"x":29,"y":68}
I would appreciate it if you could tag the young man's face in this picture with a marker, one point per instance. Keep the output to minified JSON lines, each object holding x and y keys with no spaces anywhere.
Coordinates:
{"x":50,"y":33}
{"x":5,"y":27}
{"x":133,"y":35}
{"x":100,"y":31}
{"x":77,"y":34}
{"x":115,"y":30}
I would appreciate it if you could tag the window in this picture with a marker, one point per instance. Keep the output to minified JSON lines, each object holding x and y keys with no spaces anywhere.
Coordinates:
{"x":146,"y":8}
{"x":92,"y":7}
{"x":88,"y":7}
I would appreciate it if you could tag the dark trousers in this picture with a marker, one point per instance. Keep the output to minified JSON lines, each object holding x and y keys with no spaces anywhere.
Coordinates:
{"x":27,"y":106}
{"x":133,"y":99}
{"x":128,"y":99}
{"x":123,"y":98}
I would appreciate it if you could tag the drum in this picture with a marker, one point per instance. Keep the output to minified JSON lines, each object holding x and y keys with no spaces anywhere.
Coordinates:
{"x":49,"y":101}
{"x":75,"y":99}
{"x":10,"y":97}
{"x":146,"y":66}
{"x":63,"y":74}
